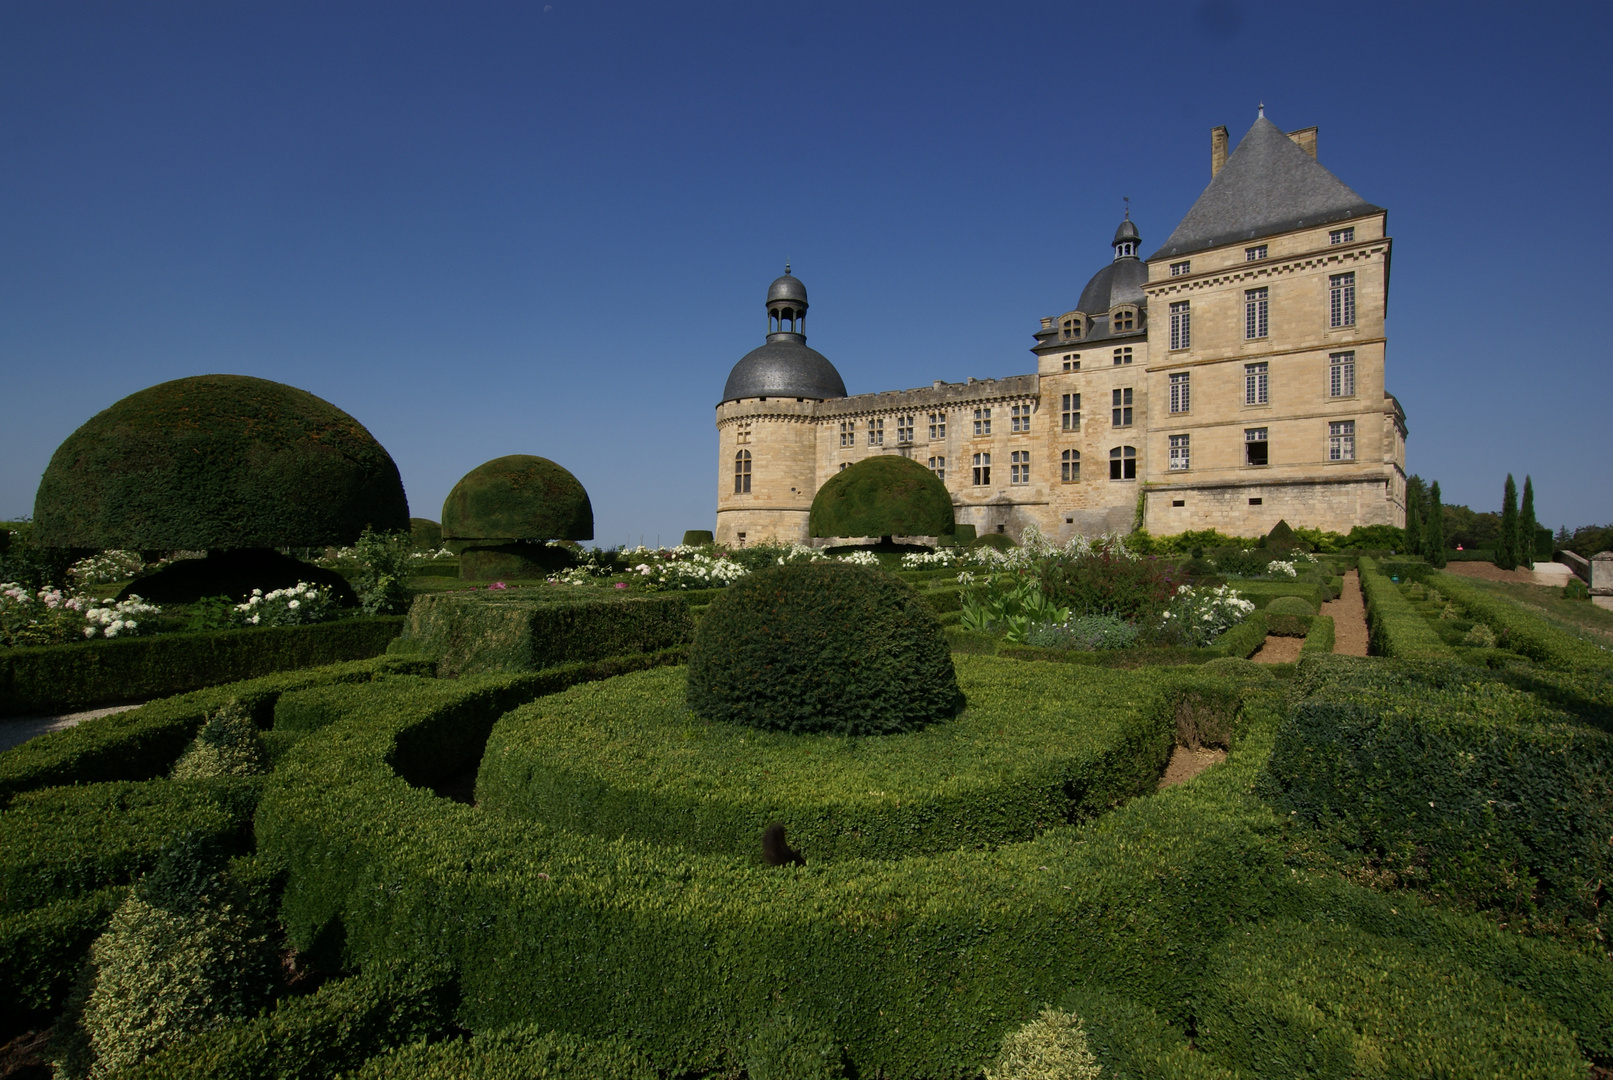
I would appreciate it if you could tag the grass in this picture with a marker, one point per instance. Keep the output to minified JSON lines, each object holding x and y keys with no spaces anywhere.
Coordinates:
{"x":1581,"y":618}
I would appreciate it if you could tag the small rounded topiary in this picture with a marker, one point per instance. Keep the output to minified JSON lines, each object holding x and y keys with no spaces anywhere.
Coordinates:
{"x":1290,"y":605}
{"x":698,"y":538}
{"x":887,"y":495}
{"x":424,"y":534}
{"x":217,"y":462}
{"x":822,"y":647}
{"x":499,"y":509}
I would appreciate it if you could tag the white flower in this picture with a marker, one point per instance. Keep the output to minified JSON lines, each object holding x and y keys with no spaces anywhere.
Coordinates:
{"x":294,"y":604}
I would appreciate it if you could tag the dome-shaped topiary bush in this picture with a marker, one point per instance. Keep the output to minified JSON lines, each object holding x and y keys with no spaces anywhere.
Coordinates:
{"x":218,"y":462}
{"x":424,"y":534}
{"x":1290,"y":605}
{"x":822,"y":647}
{"x":498,"y":509}
{"x":887,"y":495}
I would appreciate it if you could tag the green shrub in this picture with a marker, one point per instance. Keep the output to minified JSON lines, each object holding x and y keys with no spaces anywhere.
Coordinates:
{"x":1377,"y":538}
{"x":382,"y":581}
{"x":474,"y":632}
{"x":227,"y":745}
{"x":1290,"y":605}
{"x":43,"y":948}
{"x":1289,"y":616}
{"x":519,"y":1053}
{"x":698,"y":538}
{"x":1396,"y":628}
{"x":887,"y":495}
{"x":517,"y":497}
{"x":1130,"y":1041}
{"x":1051,"y":1047}
{"x":1000,"y":541}
{"x":217,"y":462}
{"x":329,"y":1033}
{"x":1292,"y":1000}
{"x":1088,"y":632}
{"x":1405,"y":570}
{"x":1034,"y":749}
{"x":822,"y":647}
{"x":789,"y":1049}
{"x":1576,"y":590}
{"x":1320,"y":637}
{"x":1264,"y":593}
{"x":424,"y":534}
{"x":57,"y":678}
{"x":1523,"y":632}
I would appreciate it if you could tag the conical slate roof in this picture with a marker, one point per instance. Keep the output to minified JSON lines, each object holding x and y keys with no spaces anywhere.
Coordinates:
{"x":1268,"y":186}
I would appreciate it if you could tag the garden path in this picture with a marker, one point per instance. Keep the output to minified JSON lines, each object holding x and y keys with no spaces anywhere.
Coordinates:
{"x":1279,"y":650}
{"x":1187,"y":762}
{"x":1349,"y":613}
{"x":16,"y":730}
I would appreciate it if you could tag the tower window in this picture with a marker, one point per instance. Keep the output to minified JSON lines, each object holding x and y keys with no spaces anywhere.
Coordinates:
{"x":844,"y":465}
{"x":742,"y":432}
{"x":982,"y":466}
{"x":1342,"y":236}
{"x":1019,"y":418}
{"x":1123,"y":356}
{"x":1181,"y":391}
{"x":1181,"y":325}
{"x":938,"y":426}
{"x":1124,"y":248}
{"x":1251,"y":254}
{"x":1120,"y":401}
{"x":982,"y":421}
{"x":1341,"y":299}
{"x":742,"y":473}
{"x":1070,"y":412}
{"x":848,"y":433}
{"x":1072,"y":327}
{"x":1123,"y":319}
{"x":1179,"y":453}
{"x":1072,"y":362}
{"x":876,"y":432}
{"x":938,"y":465}
{"x":1341,"y":375}
{"x":1178,"y":269}
{"x":1341,"y":440}
{"x":904,"y":429}
{"x":1019,"y":467}
{"x":1123,"y":463}
{"x":1256,"y":384}
{"x":1070,"y":466}
{"x":1255,"y":309}
{"x":1256,"y":450}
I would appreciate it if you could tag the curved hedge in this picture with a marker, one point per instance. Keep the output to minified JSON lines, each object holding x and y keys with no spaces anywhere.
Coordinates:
{"x":517,"y":497}
{"x":824,"y":646}
{"x":1034,"y":749}
{"x":218,"y":462}
{"x":888,"y":495}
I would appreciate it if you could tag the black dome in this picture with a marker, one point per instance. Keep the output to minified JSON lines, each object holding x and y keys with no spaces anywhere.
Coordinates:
{"x":1127,"y":231}
{"x":788,"y":287}
{"x":784,"y":367}
{"x":1121,"y":282}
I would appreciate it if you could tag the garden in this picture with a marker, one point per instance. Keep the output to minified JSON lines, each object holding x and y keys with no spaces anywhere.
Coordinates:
{"x":471,"y":800}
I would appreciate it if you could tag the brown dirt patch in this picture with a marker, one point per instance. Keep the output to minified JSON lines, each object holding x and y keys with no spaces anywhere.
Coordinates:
{"x":1349,"y":614}
{"x":1186,"y":763}
{"x":1279,"y":650}
{"x":1490,"y":572}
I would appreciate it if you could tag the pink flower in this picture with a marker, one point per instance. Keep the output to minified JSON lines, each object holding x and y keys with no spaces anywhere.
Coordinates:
{"x":621,"y":584}
{"x":498,"y":585}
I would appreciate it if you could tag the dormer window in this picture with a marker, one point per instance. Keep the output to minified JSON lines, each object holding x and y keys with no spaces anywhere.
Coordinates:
{"x":1122,"y":319}
{"x":1181,"y":268}
{"x":1072,"y":327}
{"x":1342,"y":236}
{"x":1254,"y":253}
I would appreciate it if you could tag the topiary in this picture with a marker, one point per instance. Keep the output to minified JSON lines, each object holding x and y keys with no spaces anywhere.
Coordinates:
{"x":227,"y":745}
{"x":698,"y":538}
{"x":788,"y":1049}
{"x":217,"y":462}
{"x":887,"y":495}
{"x":822,"y":647}
{"x":424,"y":534}
{"x":1282,"y":538}
{"x":500,"y":512}
{"x":1051,"y":1047}
{"x":1000,"y":541}
{"x":1290,"y":605}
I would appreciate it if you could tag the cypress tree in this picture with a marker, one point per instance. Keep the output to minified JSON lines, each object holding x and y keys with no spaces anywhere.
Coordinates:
{"x":1414,"y":525}
{"x":1434,"y":537}
{"x":1527,"y":526}
{"x":1506,"y":545}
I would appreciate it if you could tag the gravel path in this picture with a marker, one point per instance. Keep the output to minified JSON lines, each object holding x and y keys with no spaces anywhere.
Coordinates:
{"x":1349,"y":613}
{"x":16,"y":730}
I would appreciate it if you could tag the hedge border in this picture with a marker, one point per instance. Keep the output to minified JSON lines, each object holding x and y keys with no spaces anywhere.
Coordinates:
{"x":1523,"y":632}
{"x":1242,"y":641}
{"x":1395,"y":628}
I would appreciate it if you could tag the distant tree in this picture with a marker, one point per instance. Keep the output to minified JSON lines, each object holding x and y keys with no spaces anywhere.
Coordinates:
{"x":1414,"y":524}
{"x":1527,"y":527}
{"x":1506,"y":545}
{"x":1434,"y":538}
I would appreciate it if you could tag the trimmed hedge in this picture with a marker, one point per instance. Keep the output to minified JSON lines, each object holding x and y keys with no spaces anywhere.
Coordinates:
{"x":145,"y":742}
{"x":56,"y":678}
{"x":1452,"y":780}
{"x":1242,"y":641}
{"x":42,"y":950}
{"x":477,"y":632}
{"x":1262,"y":593}
{"x":1320,"y":637}
{"x":886,"y":495}
{"x":1521,"y":631}
{"x":1037,"y":747}
{"x":518,"y":497}
{"x":521,"y":1053}
{"x":332,"y":1031}
{"x":1394,"y":627}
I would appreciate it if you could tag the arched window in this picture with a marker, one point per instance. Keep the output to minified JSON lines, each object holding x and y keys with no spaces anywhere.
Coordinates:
{"x":742,"y":473}
{"x":1123,"y":463}
{"x":1070,"y":467}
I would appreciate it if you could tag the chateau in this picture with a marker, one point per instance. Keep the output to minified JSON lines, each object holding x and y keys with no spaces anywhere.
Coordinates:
{"x":1258,"y":395}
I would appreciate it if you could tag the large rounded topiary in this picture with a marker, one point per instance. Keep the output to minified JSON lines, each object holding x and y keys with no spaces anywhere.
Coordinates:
{"x":882,"y":496}
{"x":218,"y":462}
{"x":822,"y":647}
{"x":500,"y":512}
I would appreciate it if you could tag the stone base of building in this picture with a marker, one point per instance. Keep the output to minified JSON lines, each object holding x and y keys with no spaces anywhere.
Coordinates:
{"x":1246,"y":508}
{"x":737,"y":528}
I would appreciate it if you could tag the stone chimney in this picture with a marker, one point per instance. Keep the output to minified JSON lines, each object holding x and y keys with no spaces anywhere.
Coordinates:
{"x":1305,"y":139}
{"x":1218,"y":149}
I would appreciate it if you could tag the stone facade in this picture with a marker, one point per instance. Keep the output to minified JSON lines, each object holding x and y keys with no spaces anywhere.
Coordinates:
{"x":1269,"y":403}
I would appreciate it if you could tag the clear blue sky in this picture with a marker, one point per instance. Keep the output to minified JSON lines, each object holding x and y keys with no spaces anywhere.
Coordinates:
{"x":492,"y":228}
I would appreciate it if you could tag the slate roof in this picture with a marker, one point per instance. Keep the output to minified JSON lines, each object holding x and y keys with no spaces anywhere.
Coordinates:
{"x":784,"y":367}
{"x":1267,"y":186}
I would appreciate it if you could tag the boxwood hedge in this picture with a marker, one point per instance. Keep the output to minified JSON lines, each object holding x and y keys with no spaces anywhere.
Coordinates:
{"x":1522,"y":631}
{"x":1394,"y":627}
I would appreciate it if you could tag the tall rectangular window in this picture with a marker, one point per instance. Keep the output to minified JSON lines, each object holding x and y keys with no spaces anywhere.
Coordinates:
{"x":1256,"y":449}
{"x":876,"y":432}
{"x":1251,"y":254}
{"x":1181,"y":325}
{"x":1070,"y":466}
{"x":1341,"y":440}
{"x":1341,"y":375}
{"x":1341,"y":299}
{"x":1178,"y":269}
{"x":1019,"y":467}
{"x":904,"y":429}
{"x":982,"y":466}
{"x":1254,"y":313}
{"x":1256,"y":384}
{"x":848,"y":433}
{"x":1123,"y":463}
{"x":1019,"y":418}
{"x":938,"y":426}
{"x":1181,"y":391}
{"x":1179,"y":453}
{"x":1070,"y":412}
{"x":1342,"y":236}
{"x":742,"y":472}
{"x":938,"y":465}
{"x":982,"y":421}
{"x":1121,"y":407}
